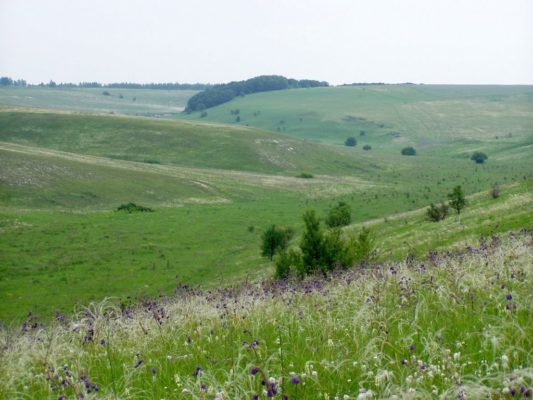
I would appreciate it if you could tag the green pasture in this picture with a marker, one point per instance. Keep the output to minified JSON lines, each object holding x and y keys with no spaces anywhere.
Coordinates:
{"x":143,"y":102}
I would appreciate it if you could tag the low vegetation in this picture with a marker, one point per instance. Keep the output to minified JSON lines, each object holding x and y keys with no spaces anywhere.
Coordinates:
{"x":359,"y":334}
{"x":408,"y":151}
{"x":479,"y":157}
{"x":132,"y":207}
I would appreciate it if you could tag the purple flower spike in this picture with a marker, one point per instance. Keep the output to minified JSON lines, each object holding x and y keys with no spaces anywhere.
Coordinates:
{"x":295,"y":380}
{"x":254,"y":370}
{"x":509,"y":297}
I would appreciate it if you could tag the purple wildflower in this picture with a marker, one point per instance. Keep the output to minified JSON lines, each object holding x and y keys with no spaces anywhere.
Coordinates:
{"x":295,"y":380}
{"x":197,"y":371}
{"x":254,"y":370}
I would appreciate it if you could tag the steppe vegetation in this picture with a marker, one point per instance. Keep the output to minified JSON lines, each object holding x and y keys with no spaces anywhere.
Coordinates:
{"x":148,"y":251}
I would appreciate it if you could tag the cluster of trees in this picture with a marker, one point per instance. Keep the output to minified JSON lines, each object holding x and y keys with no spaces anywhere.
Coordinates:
{"x":319,"y":250}
{"x":223,"y":93}
{"x":6,"y":81}
{"x":457,"y":202}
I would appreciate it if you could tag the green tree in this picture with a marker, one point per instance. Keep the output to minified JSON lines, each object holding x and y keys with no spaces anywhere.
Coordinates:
{"x":365,"y":247}
{"x":409,"y":151}
{"x":340,"y":215}
{"x":287,"y":261}
{"x":479,"y":157}
{"x":351,"y":141}
{"x":457,"y":199}
{"x":274,"y":239}
{"x":312,"y":243}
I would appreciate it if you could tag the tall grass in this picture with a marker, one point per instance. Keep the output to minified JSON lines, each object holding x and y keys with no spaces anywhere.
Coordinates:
{"x":456,"y":326}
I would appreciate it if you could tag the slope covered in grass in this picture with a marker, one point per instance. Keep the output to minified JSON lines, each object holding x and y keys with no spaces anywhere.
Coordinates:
{"x":174,"y":142}
{"x":439,"y":120}
{"x":145,"y":102}
{"x":458,"y":326}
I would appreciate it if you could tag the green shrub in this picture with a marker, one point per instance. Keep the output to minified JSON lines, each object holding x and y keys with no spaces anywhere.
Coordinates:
{"x":340,"y":215}
{"x":479,"y":157}
{"x":287,"y":262}
{"x":274,"y":239}
{"x":437,"y":214}
{"x":495,"y":191}
{"x":132,"y":207}
{"x":305,"y":175}
{"x":408,"y":151}
{"x":367,"y":147}
{"x":351,"y":141}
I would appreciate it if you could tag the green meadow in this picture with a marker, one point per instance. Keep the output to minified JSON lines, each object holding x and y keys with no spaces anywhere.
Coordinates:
{"x":215,"y":185}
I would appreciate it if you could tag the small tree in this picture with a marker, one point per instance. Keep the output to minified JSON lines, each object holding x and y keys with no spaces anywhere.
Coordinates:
{"x":274,"y":239}
{"x":367,"y":147}
{"x":312,"y":243}
{"x":351,"y":141}
{"x":457,"y":199}
{"x":340,"y":215}
{"x":479,"y":157}
{"x":408,"y":151}
{"x":361,"y":248}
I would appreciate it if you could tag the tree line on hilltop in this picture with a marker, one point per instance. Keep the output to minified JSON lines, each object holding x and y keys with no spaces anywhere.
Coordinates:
{"x":7,"y":81}
{"x":218,"y":94}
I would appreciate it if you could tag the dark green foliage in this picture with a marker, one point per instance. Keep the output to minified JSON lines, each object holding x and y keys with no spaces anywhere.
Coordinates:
{"x":106,"y":93}
{"x":340,"y":215}
{"x":437,"y":214}
{"x":364,"y":247}
{"x":287,"y":261}
{"x":305,"y":175}
{"x":362,"y":133}
{"x":479,"y":157}
{"x":274,"y":239}
{"x":238,"y":118}
{"x":367,"y":147}
{"x":312,"y":243}
{"x":132,"y":207}
{"x":203,"y":114}
{"x":408,"y":151}
{"x":351,"y":141}
{"x":457,"y":199}
{"x":335,"y":251}
{"x":223,"y":93}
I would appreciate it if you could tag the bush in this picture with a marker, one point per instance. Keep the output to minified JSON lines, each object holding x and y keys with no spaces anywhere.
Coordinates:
{"x":305,"y":175}
{"x":351,"y":141}
{"x":367,"y":147}
{"x":288,"y":261}
{"x":106,"y":93}
{"x":408,"y":151}
{"x":479,"y":157}
{"x":203,"y":114}
{"x":274,"y":239}
{"x":340,"y":215}
{"x":132,"y":207}
{"x":364,"y":246}
{"x":437,"y":214}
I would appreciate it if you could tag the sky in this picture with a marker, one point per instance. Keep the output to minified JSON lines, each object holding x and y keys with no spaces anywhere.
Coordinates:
{"x":339,"y":41}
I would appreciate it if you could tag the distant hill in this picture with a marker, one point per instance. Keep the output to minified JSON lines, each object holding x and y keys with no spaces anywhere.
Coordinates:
{"x":219,"y":94}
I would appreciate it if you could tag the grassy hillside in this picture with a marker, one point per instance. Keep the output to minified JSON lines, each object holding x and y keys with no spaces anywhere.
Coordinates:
{"x":145,"y":102}
{"x":173,"y":142}
{"x":439,"y":120}
{"x":458,"y":326}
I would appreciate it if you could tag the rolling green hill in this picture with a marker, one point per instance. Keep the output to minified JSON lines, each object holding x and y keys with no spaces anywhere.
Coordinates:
{"x":144,"y":102}
{"x":439,"y":120}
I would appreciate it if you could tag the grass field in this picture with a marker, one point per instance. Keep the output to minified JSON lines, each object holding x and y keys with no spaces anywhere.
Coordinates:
{"x":438,"y":120}
{"x":456,"y":326}
{"x":216,"y":187}
{"x":145,"y":102}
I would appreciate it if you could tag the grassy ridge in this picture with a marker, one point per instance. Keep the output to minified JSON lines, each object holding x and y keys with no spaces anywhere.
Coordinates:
{"x":439,"y":120}
{"x":378,"y":338}
{"x":148,"y":102}
{"x":173,"y":142}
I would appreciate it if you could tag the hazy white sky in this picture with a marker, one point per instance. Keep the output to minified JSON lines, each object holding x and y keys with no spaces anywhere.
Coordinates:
{"x":341,"y":41}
